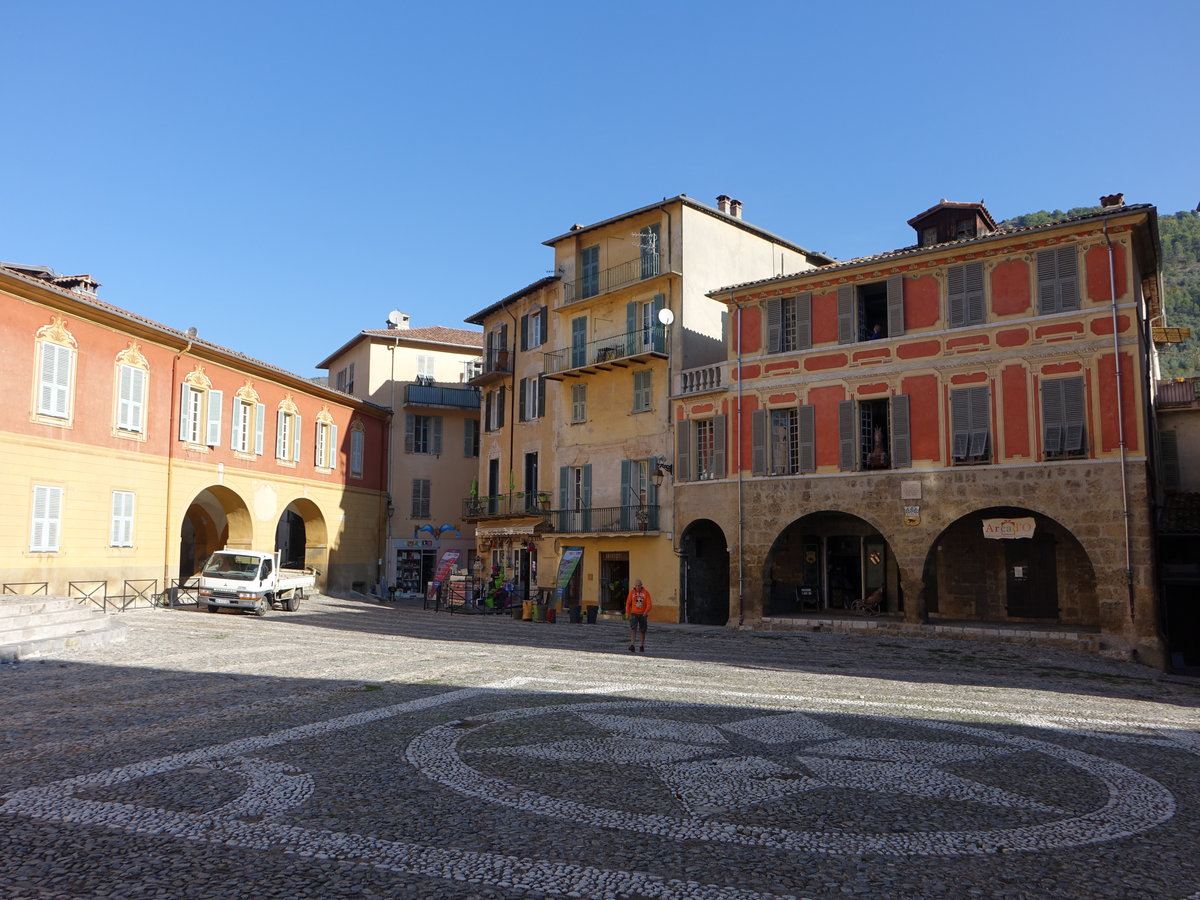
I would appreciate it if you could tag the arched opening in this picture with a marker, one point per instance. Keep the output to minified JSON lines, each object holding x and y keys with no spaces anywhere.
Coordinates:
{"x":704,"y":575}
{"x":1006,"y":564}
{"x":216,"y":518}
{"x":826,"y":561}
{"x":301,"y":536}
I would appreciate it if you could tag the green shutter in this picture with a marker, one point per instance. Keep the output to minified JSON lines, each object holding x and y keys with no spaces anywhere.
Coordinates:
{"x":758,"y":441}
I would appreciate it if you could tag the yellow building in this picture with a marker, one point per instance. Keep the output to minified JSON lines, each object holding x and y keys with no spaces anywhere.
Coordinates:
{"x":578,"y":369}
{"x":132,"y":450}
{"x":422,"y":374}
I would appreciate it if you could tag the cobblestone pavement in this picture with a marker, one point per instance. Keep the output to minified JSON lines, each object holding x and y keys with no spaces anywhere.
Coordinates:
{"x":353,"y":749}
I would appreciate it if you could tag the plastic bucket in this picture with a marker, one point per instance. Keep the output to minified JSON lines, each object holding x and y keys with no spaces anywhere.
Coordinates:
{"x":551,"y":614}
{"x":527,"y":610}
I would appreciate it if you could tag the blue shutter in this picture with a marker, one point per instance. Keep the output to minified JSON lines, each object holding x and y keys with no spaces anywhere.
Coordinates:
{"x":215,"y":399}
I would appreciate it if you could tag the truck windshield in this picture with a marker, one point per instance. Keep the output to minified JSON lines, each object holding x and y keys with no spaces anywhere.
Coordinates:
{"x":232,"y":565}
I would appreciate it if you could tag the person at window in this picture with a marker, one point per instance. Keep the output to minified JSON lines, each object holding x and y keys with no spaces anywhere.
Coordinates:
{"x":637,"y":608}
{"x":875,"y":332}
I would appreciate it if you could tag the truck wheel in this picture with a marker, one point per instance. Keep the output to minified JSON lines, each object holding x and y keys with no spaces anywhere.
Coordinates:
{"x":260,"y":607}
{"x":292,"y":603}
{"x":210,"y":607}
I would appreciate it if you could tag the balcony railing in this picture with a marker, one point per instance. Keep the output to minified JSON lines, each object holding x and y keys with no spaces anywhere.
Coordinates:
{"x":494,"y":363}
{"x":434,"y":395}
{"x":646,"y":266}
{"x":607,"y":350}
{"x":701,"y":379}
{"x":596,"y":520}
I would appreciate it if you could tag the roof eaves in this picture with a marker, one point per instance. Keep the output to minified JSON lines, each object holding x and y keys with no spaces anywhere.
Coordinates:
{"x":479,"y":317}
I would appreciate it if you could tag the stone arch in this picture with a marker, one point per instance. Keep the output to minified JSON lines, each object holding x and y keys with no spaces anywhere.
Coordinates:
{"x":704,"y":573}
{"x":216,"y":518}
{"x":824,"y":561}
{"x":1047,"y":577}
{"x":302,"y":536}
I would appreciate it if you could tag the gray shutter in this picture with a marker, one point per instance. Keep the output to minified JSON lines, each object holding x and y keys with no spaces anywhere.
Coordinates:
{"x":522,"y":390}
{"x":213,"y":436}
{"x":960,"y":422}
{"x":525,"y":332}
{"x":683,"y":450}
{"x":847,"y":433}
{"x":806,"y":425}
{"x":1047,"y":269}
{"x":437,"y":435}
{"x":1168,"y":444}
{"x":895,"y":305}
{"x":1052,"y":416}
{"x":1074,"y":412}
{"x":901,"y":437}
{"x":1068,"y":278}
{"x":260,"y":424}
{"x":803,"y":321}
{"x":758,"y":441}
{"x":543,"y":334}
{"x":718,"y":447}
{"x":774,"y":325}
{"x":409,"y":432}
{"x":956,"y":298}
{"x":845,"y":306}
{"x":627,"y":496}
{"x":976,"y":312}
{"x":981,"y":422}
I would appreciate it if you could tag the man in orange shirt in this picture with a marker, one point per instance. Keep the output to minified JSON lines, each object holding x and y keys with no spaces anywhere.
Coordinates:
{"x":637,"y":607}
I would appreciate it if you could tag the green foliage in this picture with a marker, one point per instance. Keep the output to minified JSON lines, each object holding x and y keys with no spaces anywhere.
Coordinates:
{"x":1180,"y":236}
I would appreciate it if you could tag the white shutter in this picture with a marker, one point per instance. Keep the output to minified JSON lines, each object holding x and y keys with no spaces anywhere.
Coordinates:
{"x":131,"y":397}
{"x":319,"y":446}
{"x":332,"y":449}
{"x":55,"y":380}
{"x":281,"y":435}
{"x":122,"y":519}
{"x":260,"y":421}
{"x":296,"y":436}
{"x":215,"y":399}
{"x":47,"y":510}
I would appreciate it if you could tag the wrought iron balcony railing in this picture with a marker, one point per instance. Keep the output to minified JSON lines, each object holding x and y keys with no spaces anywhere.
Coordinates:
{"x":465,"y":397}
{"x":594,"y":520}
{"x":607,"y":350}
{"x":591,"y":284}
{"x":506,"y":506}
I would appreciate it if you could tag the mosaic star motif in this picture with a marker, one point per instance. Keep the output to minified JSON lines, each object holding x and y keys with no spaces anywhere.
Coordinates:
{"x":708,"y":777}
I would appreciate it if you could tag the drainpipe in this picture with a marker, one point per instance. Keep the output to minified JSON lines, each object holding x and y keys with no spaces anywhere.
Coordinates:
{"x":174,"y":420}
{"x":1112,"y":287}
{"x":741,"y":519}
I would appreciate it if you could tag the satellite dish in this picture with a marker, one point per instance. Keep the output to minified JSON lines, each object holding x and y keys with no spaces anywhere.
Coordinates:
{"x":192,"y":332}
{"x":395,"y":317}
{"x":666,"y":316}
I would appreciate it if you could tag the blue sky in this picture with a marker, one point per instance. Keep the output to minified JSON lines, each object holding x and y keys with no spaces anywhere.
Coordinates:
{"x":281,"y":175}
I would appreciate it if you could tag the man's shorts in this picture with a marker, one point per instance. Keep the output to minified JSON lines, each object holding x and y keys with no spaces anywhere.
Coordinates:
{"x":637,"y":621}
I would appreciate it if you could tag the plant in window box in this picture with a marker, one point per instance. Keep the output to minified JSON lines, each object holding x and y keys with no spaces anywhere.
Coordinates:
{"x":642,"y":514}
{"x":543,"y":499}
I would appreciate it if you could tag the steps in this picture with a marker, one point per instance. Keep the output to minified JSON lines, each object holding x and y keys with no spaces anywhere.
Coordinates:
{"x":40,"y":626}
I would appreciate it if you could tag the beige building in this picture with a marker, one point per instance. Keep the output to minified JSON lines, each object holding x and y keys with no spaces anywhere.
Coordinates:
{"x":132,"y":450}
{"x":577,"y":376}
{"x":423,"y":374}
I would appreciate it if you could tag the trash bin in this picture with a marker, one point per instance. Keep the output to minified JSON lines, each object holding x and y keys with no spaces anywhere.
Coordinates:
{"x":592,"y":612}
{"x":539,"y":612}
{"x":575,"y":614}
{"x":518,"y":611}
{"x":527,"y":610}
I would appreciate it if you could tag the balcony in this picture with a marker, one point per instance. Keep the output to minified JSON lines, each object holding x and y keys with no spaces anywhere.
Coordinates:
{"x":497,"y":365}
{"x":603,"y":354}
{"x":597,"y":520}
{"x":466,"y":397}
{"x":594,"y":284}
{"x":701,"y":379}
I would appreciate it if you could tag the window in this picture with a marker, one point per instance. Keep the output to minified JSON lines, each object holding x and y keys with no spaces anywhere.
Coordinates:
{"x":589,"y":267}
{"x":575,"y":498}
{"x":643,"y":332}
{"x":496,"y":346}
{"x":200,"y":415}
{"x":651,"y":253}
{"x":533,"y":329}
{"x":344,"y":381}
{"x":641,"y":391}
{"x":784,"y":444}
{"x":131,"y":398}
{"x":700,"y":449}
{"x":121,"y":532}
{"x":247,"y":428}
{"x":964,"y":228}
{"x":472,"y":368}
{"x":54,"y":389}
{"x":1058,"y":280}
{"x":970,"y":426}
{"x":425,"y":365}
{"x":47,"y":519}
{"x":639,"y":496}
{"x":471,"y":437}
{"x":1064,"y":433}
{"x":789,"y":323}
{"x":357,"y":441}
{"x":326,"y":445}
{"x":578,"y":403}
{"x":929,"y":236}
{"x":422,"y":434}
{"x":965,"y":303}
{"x":531,"y":399}
{"x":287,"y":436}
{"x":493,"y":409}
{"x":420,"y":498}
{"x":872,"y":310}
{"x":782,"y":441}
{"x":874,"y":434}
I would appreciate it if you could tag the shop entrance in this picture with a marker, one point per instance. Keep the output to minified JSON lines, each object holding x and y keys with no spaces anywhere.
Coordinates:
{"x":614,"y":581}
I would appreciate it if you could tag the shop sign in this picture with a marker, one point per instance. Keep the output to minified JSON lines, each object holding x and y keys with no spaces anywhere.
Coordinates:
{"x":1008,"y":529}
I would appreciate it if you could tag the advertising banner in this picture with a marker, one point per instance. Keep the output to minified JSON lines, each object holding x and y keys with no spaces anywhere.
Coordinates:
{"x":1008,"y":529}
{"x":445,"y":564}
{"x":566,"y":568}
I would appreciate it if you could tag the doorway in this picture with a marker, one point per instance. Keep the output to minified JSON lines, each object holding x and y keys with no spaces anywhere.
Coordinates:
{"x":614,"y":581}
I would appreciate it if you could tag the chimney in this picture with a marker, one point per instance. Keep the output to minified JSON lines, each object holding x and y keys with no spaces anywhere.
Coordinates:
{"x":1112,"y":200}
{"x":735,"y":208}
{"x":723,"y":204}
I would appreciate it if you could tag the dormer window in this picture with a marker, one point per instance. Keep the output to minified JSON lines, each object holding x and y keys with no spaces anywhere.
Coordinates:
{"x":964,"y":228}
{"x":929,"y":236}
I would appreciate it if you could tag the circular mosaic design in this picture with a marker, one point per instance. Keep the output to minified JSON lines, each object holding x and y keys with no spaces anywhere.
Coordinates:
{"x":755,"y":780}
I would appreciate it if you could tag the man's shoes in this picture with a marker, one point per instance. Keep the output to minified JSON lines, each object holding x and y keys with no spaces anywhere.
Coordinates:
{"x":643,"y":649}
{"x":631,"y":648}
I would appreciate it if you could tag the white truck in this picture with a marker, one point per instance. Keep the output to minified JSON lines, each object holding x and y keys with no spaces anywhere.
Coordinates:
{"x":253,"y":580}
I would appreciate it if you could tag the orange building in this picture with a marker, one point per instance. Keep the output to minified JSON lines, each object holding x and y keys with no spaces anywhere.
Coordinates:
{"x":132,"y":450}
{"x":960,"y":427}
